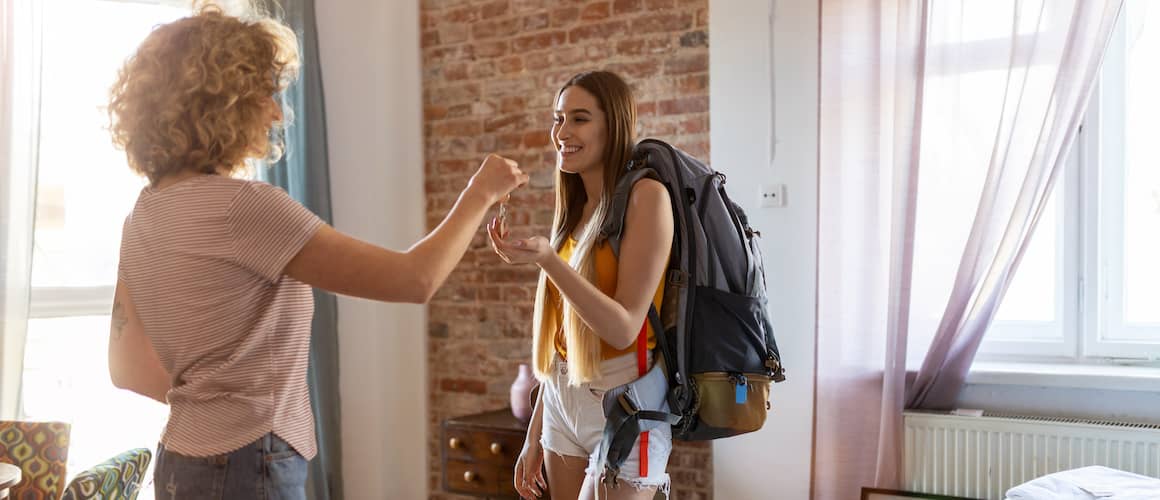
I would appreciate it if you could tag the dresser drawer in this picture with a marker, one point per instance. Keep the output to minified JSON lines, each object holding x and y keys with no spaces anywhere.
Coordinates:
{"x":478,"y":478}
{"x":479,"y":454}
{"x":466,"y":444}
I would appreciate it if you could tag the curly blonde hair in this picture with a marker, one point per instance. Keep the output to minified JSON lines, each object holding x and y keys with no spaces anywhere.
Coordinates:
{"x":197,"y":94}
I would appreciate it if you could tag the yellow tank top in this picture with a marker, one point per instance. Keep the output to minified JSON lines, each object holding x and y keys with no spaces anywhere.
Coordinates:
{"x":606,"y":272}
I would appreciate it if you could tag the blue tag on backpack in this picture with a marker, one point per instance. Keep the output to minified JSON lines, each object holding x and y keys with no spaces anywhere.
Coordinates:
{"x":742,"y":395}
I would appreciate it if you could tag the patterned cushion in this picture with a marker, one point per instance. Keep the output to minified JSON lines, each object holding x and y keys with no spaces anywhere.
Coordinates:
{"x":40,"y":449}
{"x":118,"y":478}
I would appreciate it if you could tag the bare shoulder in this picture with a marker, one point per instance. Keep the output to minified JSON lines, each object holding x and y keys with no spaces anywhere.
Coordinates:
{"x":649,"y":205}
{"x":649,"y":192}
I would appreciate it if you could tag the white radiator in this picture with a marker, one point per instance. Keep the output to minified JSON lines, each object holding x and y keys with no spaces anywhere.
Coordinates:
{"x":983,"y":457}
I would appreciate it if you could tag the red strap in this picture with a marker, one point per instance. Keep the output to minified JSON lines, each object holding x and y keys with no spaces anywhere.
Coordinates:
{"x":641,"y":362}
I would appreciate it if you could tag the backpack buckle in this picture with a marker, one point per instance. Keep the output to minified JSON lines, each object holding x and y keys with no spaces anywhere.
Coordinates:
{"x":776,"y":371}
{"x":637,"y":161}
{"x":627,"y":405}
{"x":679,"y":278}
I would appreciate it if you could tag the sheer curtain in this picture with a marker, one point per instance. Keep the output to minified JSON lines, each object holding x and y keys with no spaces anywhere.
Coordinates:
{"x":19,"y":104}
{"x":943,"y":127}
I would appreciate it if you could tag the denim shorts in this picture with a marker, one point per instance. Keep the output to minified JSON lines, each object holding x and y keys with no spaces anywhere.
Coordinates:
{"x":265,"y":469}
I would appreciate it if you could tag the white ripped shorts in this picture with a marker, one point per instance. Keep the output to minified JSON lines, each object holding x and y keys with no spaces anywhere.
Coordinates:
{"x":574,"y":423}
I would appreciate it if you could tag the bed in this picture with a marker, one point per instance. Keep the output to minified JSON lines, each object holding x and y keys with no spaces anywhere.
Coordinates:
{"x":1088,"y":483}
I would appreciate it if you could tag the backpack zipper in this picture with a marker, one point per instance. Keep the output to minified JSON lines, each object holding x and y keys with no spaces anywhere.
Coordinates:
{"x":740,"y":387}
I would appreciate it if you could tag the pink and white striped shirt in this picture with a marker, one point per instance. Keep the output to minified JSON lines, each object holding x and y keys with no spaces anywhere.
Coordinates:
{"x":203,"y":261}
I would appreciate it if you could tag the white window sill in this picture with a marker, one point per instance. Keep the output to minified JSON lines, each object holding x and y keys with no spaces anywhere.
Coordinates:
{"x":1073,"y":376}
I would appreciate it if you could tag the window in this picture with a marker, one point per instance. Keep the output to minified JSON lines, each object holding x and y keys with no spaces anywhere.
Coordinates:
{"x":1089,"y":285}
{"x":84,"y":192}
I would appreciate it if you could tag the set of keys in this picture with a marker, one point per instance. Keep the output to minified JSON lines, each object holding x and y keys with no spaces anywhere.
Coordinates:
{"x":503,"y":210}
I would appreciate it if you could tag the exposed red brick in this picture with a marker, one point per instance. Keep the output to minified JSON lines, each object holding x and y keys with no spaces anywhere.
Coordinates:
{"x":504,"y":123}
{"x":453,"y":33}
{"x":565,"y":17}
{"x":493,"y":9}
{"x":463,"y":385}
{"x":620,"y":7}
{"x":434,"y":112}
{"x":662,"y":23}
{"x":511,"y":64}
{"x":656,"y":44}
{"x":464,"y":14}
{"x":455,"y":71}
{"x":601,"y":31}
{"x":448,"y":53}
{"x":485,"y":50}
{"x":537,"y":61}
{"x":698,"y":125}
{"x":596,"y":11}
{"x":536,"y":21}
{"x":537,"y":139}
{"x":539,"y":41}
{"x":636,"y":70}
{"x":454,"y":167}
{"x":495,"y":28}
{"x":697,"y":63}
{"x":457,"y":127}
{"x":482,"y":70}
{"x":685,"y":105}
{"x":512,"y":104}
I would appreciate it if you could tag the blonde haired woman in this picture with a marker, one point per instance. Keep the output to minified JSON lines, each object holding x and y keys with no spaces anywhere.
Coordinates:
{"x":213,"y":303}
{"x":590,"y":306}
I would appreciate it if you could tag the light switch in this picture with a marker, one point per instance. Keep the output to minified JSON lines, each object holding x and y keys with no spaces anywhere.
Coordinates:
{"x":772,"y":196}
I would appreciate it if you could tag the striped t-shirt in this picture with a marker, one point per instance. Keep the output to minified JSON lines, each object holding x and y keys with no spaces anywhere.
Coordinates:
{"x":203,"y":261}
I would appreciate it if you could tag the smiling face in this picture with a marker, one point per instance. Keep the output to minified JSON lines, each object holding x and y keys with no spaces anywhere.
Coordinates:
{"x":579,"y":131}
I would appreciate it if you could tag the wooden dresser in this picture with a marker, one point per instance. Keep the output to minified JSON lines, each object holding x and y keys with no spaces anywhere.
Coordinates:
{"x":480,"y":452}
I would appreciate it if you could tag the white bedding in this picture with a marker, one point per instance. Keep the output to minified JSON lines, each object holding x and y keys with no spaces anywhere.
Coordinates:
{"x":1088,"y":483}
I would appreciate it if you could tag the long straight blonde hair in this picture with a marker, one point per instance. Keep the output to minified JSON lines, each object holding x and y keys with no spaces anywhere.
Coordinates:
{"x":583,"y":345}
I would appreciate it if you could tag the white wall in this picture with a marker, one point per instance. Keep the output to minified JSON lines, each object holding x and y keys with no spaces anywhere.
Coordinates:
{"x":773,"y":463}
{"x":372,"y":78}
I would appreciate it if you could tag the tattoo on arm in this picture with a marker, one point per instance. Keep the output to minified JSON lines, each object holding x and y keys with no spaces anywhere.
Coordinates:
{"x":119,"y":320}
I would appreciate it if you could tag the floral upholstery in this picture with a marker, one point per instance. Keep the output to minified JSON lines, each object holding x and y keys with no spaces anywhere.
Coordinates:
{"x":40,"y":449}
{"x":118,"y":478}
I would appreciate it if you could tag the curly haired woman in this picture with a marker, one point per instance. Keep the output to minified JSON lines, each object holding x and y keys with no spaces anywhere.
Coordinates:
{"x":213,"y":303}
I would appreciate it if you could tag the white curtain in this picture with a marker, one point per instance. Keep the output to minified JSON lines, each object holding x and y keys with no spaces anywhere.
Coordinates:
{"x":943,"y":125}
{"x":19,"y":105}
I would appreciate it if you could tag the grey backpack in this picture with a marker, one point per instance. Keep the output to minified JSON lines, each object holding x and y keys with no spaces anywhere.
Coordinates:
{"x":715,"y":355}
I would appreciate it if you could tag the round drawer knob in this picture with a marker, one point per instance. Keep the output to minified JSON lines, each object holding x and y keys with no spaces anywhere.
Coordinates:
{"x":469,"y":476}
{"x":454,"y":443}
{"x":496,"y":449}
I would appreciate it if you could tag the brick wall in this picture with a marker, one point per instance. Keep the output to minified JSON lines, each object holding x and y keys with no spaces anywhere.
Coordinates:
{"x":490,"y":71}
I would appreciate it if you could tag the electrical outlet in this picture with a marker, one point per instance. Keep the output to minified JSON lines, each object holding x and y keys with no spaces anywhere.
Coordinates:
{"x":772,"y":195}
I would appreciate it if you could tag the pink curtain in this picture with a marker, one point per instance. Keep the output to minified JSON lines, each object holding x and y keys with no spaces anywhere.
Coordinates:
{"x":943,"y":126}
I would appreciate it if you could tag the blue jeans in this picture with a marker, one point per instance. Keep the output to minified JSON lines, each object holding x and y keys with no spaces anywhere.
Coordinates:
{"x":267,"y":469}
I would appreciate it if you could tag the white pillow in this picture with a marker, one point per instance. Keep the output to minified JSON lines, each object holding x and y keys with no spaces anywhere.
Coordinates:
{"x":1088,"y":483}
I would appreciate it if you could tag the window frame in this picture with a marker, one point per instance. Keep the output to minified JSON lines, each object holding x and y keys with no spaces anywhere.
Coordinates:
{"x":1092,"y":290}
